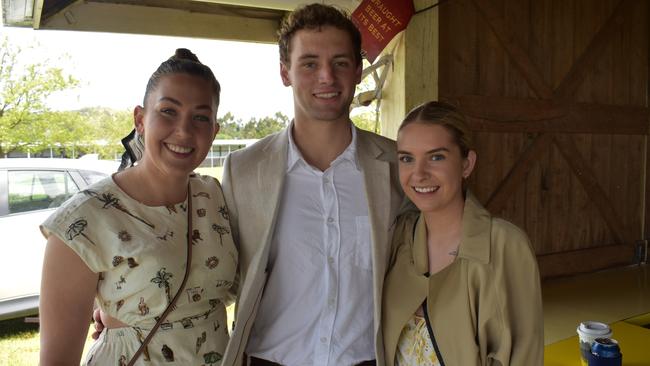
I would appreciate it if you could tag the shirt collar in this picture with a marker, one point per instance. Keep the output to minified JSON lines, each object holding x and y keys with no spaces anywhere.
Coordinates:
{"x":349,"y":154}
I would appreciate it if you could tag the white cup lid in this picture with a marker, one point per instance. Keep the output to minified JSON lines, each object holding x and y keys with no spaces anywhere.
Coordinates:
{"x":594,"y":328}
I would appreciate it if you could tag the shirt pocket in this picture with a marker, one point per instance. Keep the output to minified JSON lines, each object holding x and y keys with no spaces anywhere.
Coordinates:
{"x":362,"y":247}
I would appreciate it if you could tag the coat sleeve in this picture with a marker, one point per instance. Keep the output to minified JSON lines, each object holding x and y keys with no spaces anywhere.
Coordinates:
{"x":518,"y":300}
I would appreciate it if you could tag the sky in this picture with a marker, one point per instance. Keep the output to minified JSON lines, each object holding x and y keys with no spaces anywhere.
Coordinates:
{"x":113,"y":69}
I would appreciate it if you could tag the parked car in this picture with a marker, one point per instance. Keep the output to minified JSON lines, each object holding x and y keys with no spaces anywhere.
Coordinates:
{"x":30,"y":190}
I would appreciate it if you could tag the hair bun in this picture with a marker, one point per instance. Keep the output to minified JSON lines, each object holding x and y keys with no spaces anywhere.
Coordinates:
{"x":185,"y":54}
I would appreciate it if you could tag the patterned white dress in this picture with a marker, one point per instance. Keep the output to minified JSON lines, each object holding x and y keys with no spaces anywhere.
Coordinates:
{"x":140,"y":254}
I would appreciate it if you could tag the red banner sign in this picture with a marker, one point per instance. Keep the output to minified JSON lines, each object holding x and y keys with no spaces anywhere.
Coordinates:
{"x":379,"y":21}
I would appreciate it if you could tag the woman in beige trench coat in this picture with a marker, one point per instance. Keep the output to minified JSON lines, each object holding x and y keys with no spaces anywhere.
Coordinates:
{"x":464,"y":287}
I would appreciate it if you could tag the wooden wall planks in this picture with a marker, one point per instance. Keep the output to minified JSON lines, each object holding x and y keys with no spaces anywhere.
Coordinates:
{"x":587,"y":59}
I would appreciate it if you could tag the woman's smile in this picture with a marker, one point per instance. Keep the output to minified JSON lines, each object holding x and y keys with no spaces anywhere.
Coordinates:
{"x":426,"y":189}
{"x":179,"y":149}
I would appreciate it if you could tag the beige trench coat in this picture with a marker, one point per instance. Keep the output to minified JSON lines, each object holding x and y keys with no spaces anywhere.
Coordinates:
{"x":485,"y":307}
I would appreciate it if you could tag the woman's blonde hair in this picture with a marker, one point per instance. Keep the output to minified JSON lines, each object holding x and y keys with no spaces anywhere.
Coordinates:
{"x":446,"y":115}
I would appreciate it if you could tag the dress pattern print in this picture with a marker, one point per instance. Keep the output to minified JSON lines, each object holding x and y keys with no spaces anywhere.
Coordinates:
{"x":139,"y":253}
{"x":414,"y":347}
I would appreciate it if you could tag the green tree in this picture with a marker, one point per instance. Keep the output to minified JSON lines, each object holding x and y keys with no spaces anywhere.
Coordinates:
{"x":24,"y":117}
{"x":365,"y":106}
{"x":367,"y":120}
{"x":258,"y":128}
{"x":66,"y":131}
{"x":106,"y":128}
{"x":255,"y":128}
{"x":229,"y":127}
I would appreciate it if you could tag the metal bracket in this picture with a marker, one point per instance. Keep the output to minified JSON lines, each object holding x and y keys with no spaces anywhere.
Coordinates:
{"x":641,"y":251}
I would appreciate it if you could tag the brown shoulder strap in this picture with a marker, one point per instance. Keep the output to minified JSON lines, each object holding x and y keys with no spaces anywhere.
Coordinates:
{"x":180,"y":289}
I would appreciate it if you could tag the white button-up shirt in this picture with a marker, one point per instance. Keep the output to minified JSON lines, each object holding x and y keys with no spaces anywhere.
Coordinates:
{"x":317,"y":307}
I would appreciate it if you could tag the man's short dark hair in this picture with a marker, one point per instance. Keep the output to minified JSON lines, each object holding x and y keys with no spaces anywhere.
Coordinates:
{"x":315,"y":16}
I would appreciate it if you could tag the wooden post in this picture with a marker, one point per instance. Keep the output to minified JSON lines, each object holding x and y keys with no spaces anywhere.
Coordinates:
{"x":645,"y":206}
{"x":414,"y":75}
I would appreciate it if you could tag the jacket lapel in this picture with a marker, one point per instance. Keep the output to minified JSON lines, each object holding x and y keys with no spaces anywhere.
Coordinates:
{"x":375,"y":163}
{"x":270,"y":180}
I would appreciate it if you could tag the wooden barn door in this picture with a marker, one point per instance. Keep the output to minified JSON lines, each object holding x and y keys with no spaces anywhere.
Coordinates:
{"x":556,"y":92}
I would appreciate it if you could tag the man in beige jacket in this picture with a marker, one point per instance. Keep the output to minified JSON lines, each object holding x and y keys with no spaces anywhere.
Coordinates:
{"x":311,"y":209}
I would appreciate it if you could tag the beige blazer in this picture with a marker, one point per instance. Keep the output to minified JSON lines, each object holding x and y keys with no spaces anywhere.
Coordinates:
{"x":485,"y":307}
{"x":252,"y":183}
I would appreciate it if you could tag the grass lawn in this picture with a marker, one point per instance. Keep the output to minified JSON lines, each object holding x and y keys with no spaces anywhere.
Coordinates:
{"x":19,"y":343}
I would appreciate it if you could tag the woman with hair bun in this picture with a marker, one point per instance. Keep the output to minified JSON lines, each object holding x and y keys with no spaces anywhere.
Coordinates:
{"x":151,"y":244}
{"x":463,"y":288}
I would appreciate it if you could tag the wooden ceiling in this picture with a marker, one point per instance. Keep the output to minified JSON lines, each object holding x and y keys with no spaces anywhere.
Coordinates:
{"x":241,"y":20}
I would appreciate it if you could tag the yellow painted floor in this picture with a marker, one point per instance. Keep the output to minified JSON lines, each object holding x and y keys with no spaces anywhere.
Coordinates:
{"x":606,"y":296}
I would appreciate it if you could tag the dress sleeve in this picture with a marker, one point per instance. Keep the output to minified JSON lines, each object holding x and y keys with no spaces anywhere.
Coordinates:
{"x":78,"y":224}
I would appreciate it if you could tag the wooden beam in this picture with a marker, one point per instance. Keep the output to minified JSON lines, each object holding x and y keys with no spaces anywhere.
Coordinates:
{"x":48,"y":8}
{"x":517,"y":53}
{"x":134,"y":19}
{"x":38,"y":11}
{"x":573,"y":262}
{"x":517,"y":175}
{"x":421,"y":80}
{"x":628,"y":127}
{"x":594,"y":191}
{"x":612,"y":119}
{"x":646,"y":183}
{"x":646,"y":175}
{"x":504,"y":109}
{"x":594,"y":50}
{"x":499,"y":114}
